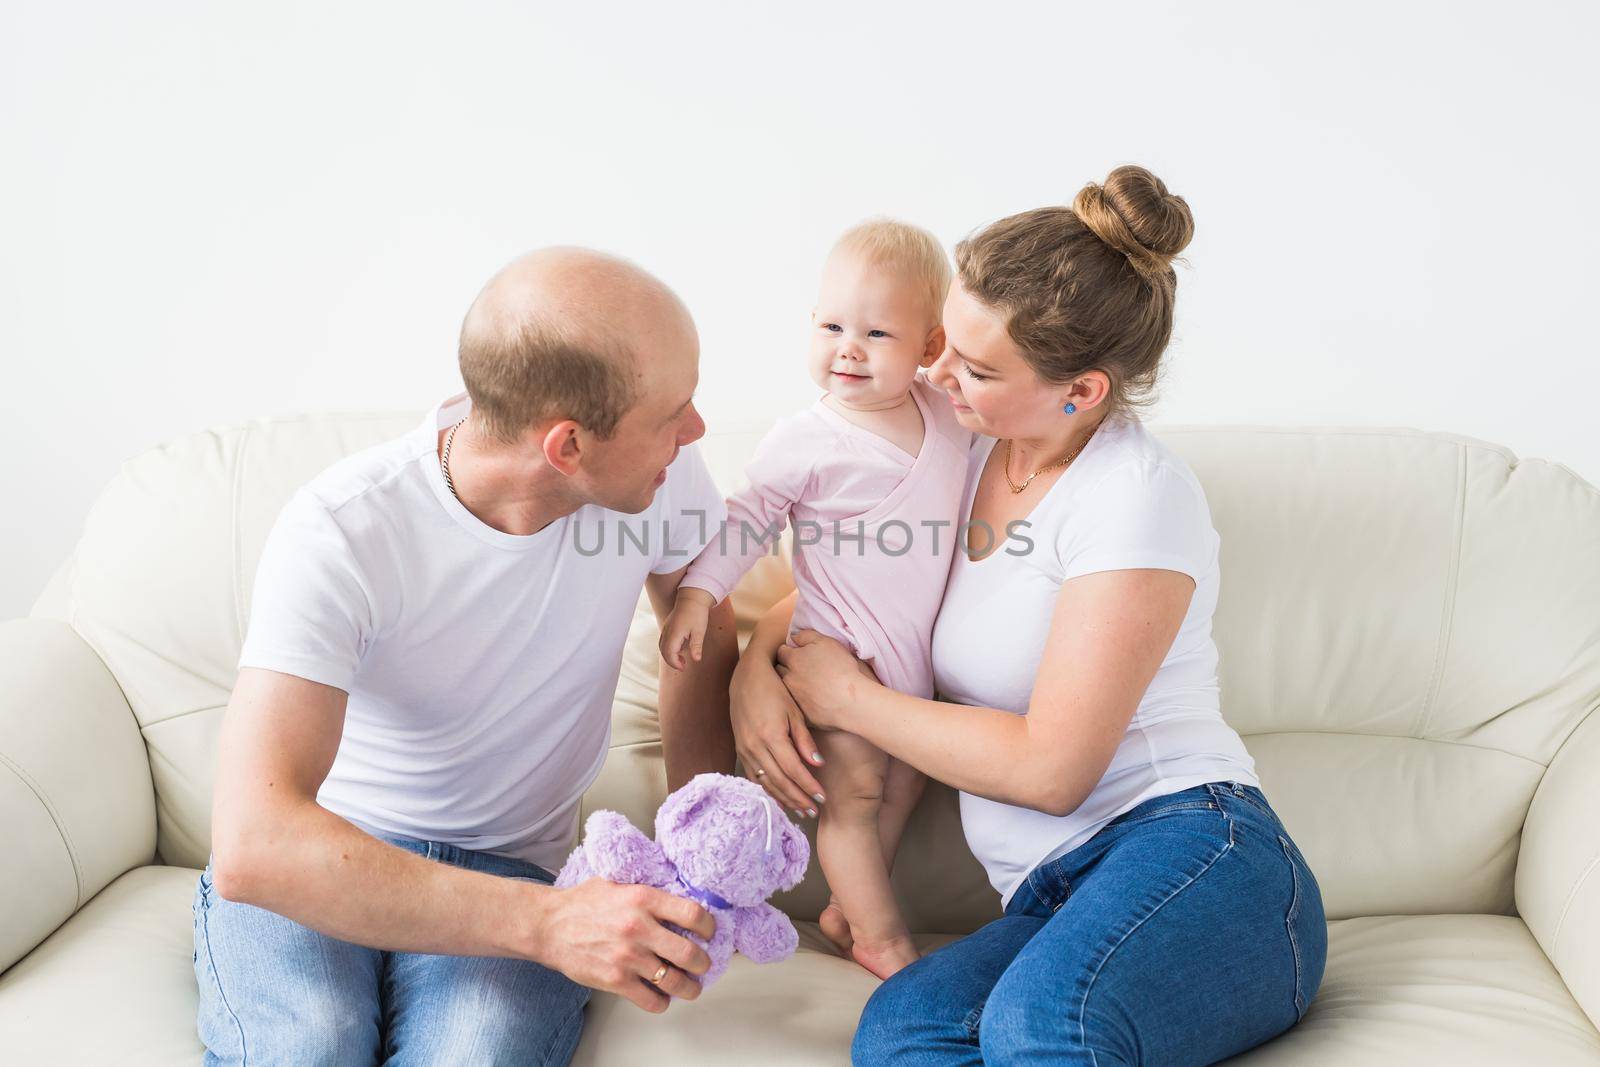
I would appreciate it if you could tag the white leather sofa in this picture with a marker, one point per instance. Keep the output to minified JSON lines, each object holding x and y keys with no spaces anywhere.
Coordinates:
{"x":1410,"y":638}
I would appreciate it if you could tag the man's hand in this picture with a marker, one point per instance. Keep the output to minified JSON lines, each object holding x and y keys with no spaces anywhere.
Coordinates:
{"x":609,"y":936}
{"x":686,"y":624}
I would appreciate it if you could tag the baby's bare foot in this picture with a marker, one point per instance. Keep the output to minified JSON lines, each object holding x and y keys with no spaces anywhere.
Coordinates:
{"x":885,"y":958}
{"x":835,"y":927}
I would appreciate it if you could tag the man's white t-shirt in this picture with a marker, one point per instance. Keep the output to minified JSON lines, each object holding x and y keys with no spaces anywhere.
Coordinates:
{"x":1127,"y":502}
{"x":480,"y":665}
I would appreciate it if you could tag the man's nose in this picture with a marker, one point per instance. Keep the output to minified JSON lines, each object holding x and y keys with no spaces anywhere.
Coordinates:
{"x":693,"y":427}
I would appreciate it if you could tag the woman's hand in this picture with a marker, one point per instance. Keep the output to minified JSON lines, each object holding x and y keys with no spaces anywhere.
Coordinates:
{"x":824,"y":678}
{"x":769,"y":733}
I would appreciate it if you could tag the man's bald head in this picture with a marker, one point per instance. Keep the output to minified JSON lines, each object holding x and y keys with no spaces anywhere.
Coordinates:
{"x":560,"y":333}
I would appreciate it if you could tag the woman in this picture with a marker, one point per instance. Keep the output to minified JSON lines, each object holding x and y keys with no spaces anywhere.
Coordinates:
{"x":1155,"y":908}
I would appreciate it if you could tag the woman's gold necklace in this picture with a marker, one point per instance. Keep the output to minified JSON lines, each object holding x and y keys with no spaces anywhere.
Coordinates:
{"x":1015,"y":488}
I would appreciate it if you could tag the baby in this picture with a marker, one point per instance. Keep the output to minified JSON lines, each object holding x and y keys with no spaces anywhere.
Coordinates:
{"x":872,"y":477}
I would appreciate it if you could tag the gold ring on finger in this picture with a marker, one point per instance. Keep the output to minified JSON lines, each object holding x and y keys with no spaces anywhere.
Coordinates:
{"x":660,"y":974}
{"x":760,"y":771}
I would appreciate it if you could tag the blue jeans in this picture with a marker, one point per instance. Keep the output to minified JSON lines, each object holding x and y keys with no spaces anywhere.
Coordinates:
{"x":1186,"y":930}
{"x":275,"y":992}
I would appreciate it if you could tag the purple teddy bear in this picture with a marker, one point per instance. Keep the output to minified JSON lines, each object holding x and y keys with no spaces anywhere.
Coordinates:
{"x":721,"y":841}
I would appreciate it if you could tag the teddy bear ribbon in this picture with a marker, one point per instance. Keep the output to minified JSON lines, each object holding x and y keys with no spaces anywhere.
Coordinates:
{"x":704,"y":896}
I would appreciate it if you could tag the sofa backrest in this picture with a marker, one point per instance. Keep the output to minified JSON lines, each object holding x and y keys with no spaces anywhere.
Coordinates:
{"x":1409,"y":627}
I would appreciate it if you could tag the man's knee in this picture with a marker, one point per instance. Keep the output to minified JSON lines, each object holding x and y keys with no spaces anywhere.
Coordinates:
{"x":313,"y":1030}
{"x":500,"y":1032}
{"x":273,"y":991}
{"x":329,"y":1032}
{"x":484,"y":1010}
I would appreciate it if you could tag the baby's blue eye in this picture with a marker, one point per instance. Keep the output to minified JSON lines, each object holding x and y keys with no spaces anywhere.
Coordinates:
{"x":831,"y":327}
{"x":876,"y":333}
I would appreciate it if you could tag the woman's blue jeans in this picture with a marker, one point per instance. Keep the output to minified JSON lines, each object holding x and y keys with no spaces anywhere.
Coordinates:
{"x":1187,"y":930}
{"x":273,"y":991}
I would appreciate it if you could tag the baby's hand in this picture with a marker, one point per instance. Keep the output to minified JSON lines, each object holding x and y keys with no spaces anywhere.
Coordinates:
{"x":686,"y":622}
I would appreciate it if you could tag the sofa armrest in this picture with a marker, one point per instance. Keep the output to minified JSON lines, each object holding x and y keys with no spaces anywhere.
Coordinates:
{"x":76,"y":805}
{"x":1558,"y":867}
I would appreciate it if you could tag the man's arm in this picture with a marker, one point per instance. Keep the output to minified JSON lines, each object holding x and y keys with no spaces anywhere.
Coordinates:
{"x":696,"y":733}
{"x":275,"y":847}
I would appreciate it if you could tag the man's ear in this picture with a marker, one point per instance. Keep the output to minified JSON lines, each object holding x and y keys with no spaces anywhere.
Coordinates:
{"x":563,"y":446}
{"x":934,"y":348}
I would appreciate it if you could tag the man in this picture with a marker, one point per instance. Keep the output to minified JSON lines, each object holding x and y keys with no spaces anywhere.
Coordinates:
{"x":425,"y":692}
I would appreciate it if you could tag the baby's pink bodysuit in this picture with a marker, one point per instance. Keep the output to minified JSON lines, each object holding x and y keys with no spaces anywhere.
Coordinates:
{"x":875,"y":530}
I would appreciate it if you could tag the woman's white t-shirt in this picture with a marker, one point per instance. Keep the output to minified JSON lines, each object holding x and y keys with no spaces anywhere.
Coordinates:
{"x":1126,"y":502}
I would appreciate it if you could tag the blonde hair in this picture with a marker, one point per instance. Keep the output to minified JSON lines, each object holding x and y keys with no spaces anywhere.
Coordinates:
{"x":904,"y":248}
{"x":1090,"y":287}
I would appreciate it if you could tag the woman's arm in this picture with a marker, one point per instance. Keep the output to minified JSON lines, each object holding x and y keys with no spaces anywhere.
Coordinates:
{"x":1109,"y":635}
{"x":769,"y":732}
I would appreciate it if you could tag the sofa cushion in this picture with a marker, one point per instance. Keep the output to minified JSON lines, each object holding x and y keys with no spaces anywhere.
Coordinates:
{"x":1456,"y":989}
{"x":161,"y":579}
{"x":116,"y":984}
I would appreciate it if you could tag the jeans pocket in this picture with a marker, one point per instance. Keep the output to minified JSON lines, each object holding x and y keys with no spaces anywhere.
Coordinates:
{"x":1293,"y":850}
{"x":1257,"y":802}
{"x":1291,"y":922}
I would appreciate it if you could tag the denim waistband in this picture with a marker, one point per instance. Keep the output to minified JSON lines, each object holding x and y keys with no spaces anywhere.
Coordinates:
{"x":1238,"y":800}
{"x":456,"y":856}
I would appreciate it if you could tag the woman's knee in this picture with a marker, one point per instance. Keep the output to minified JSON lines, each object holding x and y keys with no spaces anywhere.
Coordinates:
{"x":880,"y":1034}
{"x":897,"y":1020}
{"x":1025,"y":1022}
{"x":886,"y":1008}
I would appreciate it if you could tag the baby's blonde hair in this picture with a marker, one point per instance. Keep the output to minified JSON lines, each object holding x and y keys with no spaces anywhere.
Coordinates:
{"x":906,"y":249}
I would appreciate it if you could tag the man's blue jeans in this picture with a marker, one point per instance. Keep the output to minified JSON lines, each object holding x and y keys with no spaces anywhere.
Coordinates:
{"x":1187,"y":930}
{"x":275,"y":992}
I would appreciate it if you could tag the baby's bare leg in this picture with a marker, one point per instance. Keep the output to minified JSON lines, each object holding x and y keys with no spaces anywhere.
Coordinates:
{"x":902,"y":789}
{"x":850,"y":848}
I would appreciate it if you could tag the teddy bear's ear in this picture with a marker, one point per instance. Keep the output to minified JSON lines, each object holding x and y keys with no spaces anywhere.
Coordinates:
{"x":687,"y":801}
{"x":796,"y":854}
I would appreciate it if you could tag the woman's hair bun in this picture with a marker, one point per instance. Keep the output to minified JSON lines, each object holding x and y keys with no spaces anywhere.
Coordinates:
{"x":1135,"y":214}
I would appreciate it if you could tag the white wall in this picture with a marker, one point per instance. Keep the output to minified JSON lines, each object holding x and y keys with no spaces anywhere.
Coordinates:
{"x":212,"y":212}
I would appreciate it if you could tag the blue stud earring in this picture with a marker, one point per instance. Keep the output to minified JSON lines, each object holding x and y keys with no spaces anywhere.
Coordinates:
{"x":1070,"y":408}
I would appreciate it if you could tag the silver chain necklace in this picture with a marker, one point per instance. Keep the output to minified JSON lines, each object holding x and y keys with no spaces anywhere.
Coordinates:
{"x":444,"y":461}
